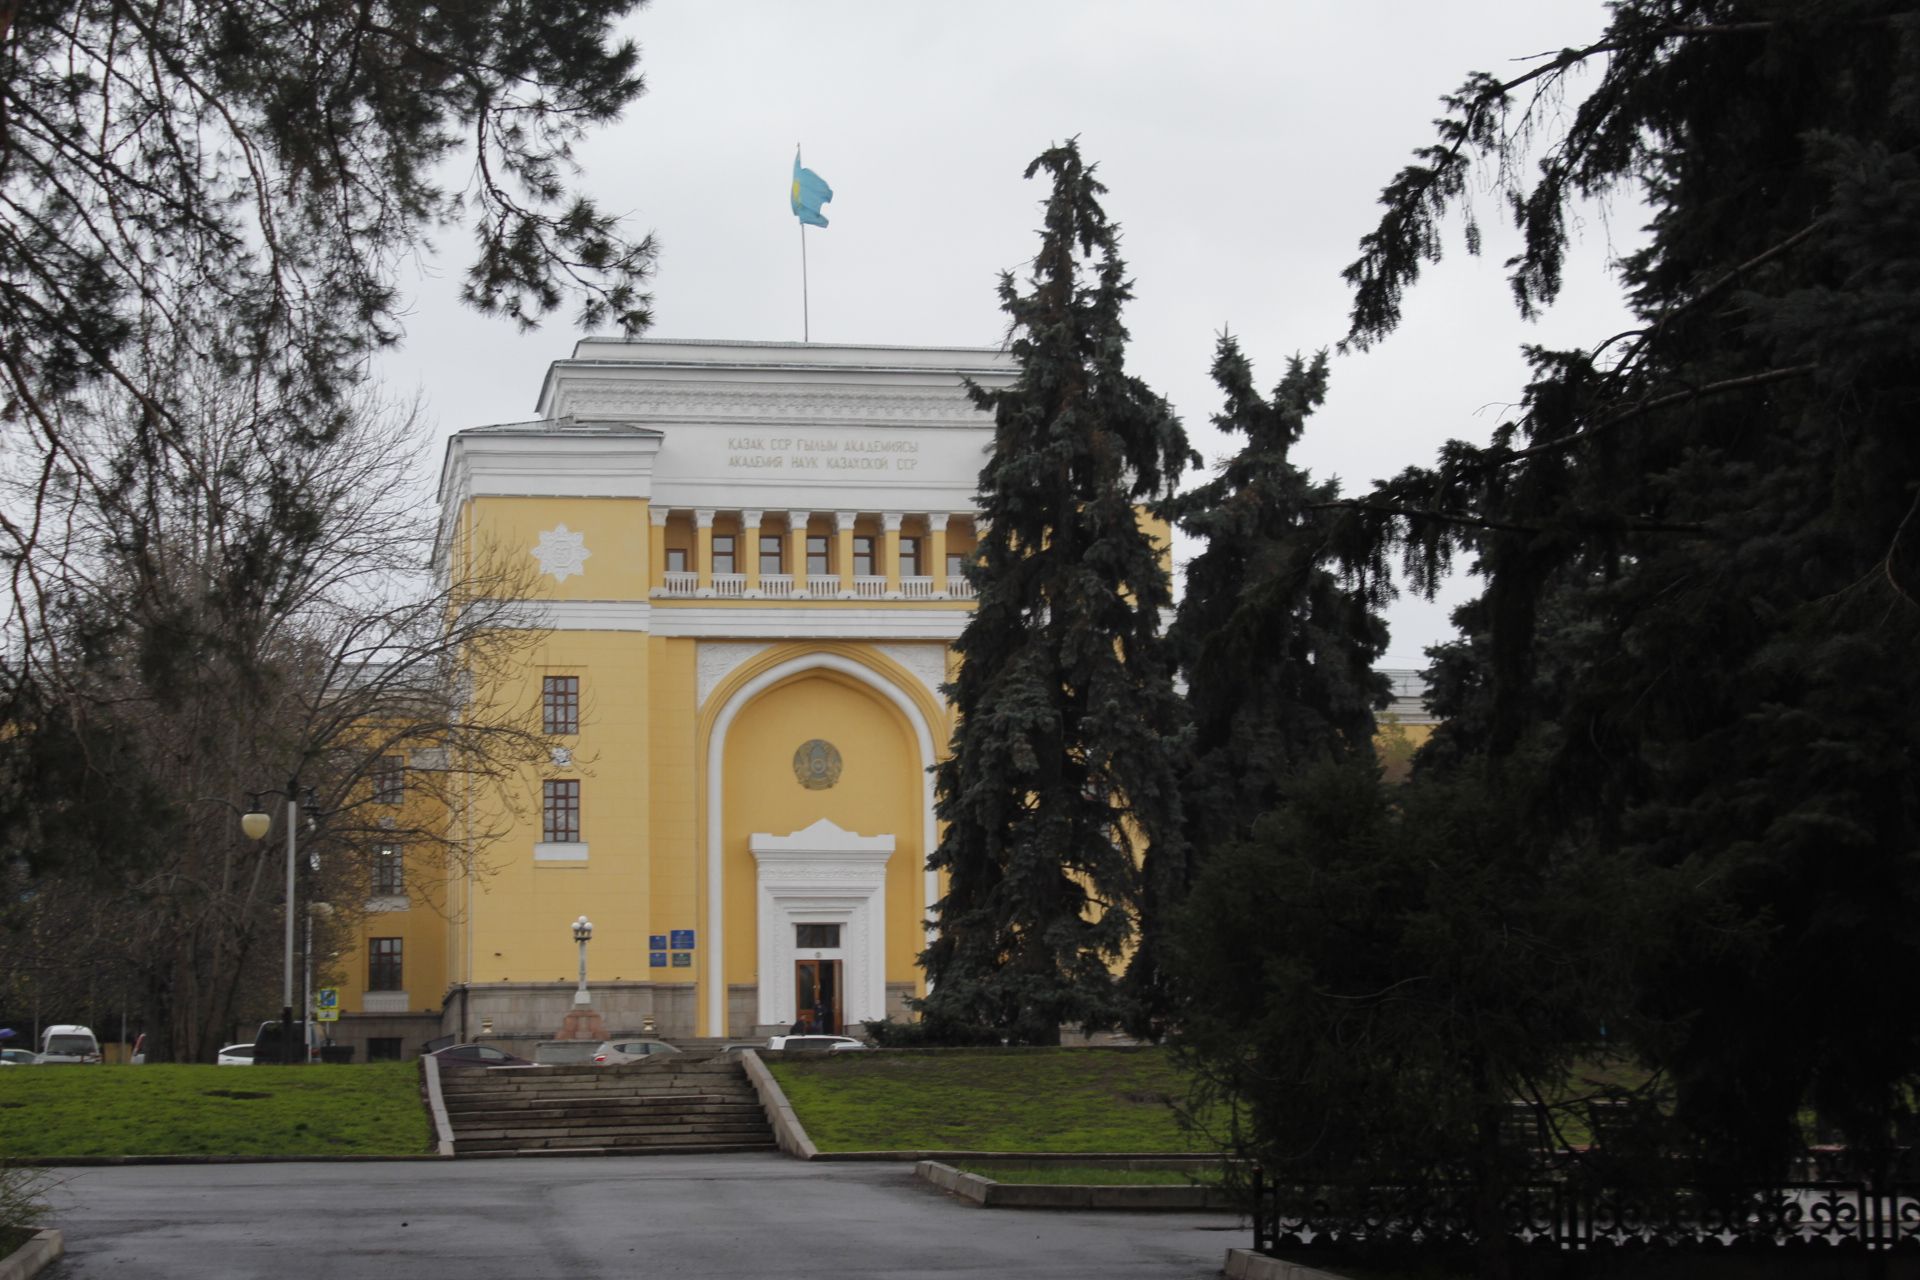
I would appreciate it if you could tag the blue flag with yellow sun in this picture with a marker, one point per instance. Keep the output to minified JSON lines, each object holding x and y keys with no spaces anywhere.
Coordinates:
{"x":810,"y":191}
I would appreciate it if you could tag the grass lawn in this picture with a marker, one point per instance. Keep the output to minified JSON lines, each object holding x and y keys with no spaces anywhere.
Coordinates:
{"x":183,"y":1109}
{"x":1078,"y":1175}
{"x":1056,"y":1100}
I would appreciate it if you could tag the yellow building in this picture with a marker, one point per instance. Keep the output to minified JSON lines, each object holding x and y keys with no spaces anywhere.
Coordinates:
{"x":747,"y":566}
{"x":747,"y":557}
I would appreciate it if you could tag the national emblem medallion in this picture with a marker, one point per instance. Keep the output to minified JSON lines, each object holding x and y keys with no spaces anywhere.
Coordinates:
{"x":816,"y":764}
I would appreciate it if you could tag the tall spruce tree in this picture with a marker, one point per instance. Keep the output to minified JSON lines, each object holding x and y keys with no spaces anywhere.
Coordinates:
{"x":1712,"y":521}
{"x":1276,"y":651}
{"x":1063,"y":778}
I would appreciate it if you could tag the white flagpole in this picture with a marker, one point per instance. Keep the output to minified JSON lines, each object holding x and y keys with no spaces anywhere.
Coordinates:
{"x":806,"y":315}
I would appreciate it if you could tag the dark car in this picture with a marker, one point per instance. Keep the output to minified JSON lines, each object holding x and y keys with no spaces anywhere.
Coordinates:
{"x":476,"y":1055}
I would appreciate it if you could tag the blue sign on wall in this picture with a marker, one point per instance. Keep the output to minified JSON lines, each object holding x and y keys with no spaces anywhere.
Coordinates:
{"x":683,"y":959}
{"x":657,"y":959}
{"x":656,"y":942}
{"x":682,"y":940}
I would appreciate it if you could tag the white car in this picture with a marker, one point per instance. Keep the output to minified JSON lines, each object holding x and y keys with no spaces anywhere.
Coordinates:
{"x":235,"y":1055}
{"x":832,"y":1044}
{"x":18,"y":1058}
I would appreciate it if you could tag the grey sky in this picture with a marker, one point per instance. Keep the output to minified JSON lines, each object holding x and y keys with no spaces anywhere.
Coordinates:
{"x":1244,"y":145}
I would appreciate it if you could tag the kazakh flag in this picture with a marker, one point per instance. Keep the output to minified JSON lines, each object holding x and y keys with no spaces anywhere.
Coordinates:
{"x":810,"y":191}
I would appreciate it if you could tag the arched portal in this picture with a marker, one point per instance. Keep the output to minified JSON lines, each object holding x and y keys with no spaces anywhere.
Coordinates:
{"x":753,"y":789}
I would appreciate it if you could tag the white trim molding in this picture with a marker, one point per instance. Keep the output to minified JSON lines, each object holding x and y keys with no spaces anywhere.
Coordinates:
{"x":889,"y":622}
{"x":713,"y":974}
{"x":563,"y":851}
{"x":822,"y":875}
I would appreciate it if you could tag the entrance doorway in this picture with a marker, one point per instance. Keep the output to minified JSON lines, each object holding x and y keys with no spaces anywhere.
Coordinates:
{"x":816,"y":987}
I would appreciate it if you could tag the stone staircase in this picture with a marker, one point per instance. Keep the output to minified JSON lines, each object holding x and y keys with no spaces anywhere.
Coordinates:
{"x":683,"y":1105}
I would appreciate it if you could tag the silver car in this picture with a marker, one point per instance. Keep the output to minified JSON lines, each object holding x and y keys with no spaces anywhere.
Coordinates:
{"x":614,"y":1053}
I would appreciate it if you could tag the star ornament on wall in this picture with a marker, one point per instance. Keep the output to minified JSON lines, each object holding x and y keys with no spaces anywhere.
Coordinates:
{"x":562,"y":552}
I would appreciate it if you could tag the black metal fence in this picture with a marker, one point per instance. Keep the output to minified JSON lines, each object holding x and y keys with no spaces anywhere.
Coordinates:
{"x":1844,"y":1215}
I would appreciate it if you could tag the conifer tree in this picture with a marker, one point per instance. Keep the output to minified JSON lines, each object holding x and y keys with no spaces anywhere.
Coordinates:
{"x":1699,"y":537}
{"x":1276,"y":653}
{"x":1062,"y":780}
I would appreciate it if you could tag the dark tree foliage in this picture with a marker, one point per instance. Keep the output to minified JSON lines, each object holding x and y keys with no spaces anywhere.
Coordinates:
{"x":1386,"y":971}
{"x":239,"y":180}
{"x":1062,"y":778}
{"x":1276,"y":652}
{"x":1699,"y":538}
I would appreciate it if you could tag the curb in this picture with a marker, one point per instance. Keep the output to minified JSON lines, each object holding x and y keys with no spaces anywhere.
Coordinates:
{"x":44,"y":1248}
{"x":97,"y":1162}
{"x":1126,"y":1159}
{"x":1245,"y":1264}
{"x":990,"y":1194}
{"x":787,"y":1129}
{"x":437,"y":1104}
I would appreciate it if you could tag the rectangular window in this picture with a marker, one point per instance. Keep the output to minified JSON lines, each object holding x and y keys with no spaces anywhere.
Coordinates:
{"x":862,"y":556}
{"x":817,"y":554}
{"x":816,"y":937}
{"x":390,"y":780}
{"x":560,"y":811}
{"x":676,"y":559}
{"x":956,"y":570}
{"x":383,"y":1049}
{"x":389,"y":872}
{"x":560,"y":704}
{"x":723,"y":553}
{"x":383,"y":965}
{"x":910,"y":557}
{"x":770,"y":552}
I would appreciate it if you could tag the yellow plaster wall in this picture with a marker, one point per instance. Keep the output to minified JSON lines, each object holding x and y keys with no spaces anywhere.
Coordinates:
{"x":676,"y":861}
{"x":878,"y":794}
{"x":616,"y":530}
{"x":522,"y":910}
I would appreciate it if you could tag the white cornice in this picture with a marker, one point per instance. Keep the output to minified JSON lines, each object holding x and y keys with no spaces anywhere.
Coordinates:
{"x":810,"y":624}
{"x":640,"y":395}
{"x":547,"y":463}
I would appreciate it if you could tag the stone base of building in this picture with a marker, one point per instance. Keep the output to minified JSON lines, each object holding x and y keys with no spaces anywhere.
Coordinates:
{"x":392,"y":1037}
{"x":495,"y":1012}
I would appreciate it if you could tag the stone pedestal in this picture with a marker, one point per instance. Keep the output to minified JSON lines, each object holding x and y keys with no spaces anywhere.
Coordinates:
{"x":583,"y":1023}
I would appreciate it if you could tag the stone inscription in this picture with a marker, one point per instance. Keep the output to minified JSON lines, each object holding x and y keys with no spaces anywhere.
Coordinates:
{"x":820,"y":453}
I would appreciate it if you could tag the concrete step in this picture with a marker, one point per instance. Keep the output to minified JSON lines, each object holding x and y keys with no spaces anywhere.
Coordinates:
{"x":562,"y":1142}
{"x":671,"y":1149}
{"x":636,"y":1132}
{"x":607,"y":1100}
{"x":523,"y":1119}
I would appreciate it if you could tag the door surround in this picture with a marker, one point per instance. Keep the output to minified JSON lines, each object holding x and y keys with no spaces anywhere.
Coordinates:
{"x":822,"y":874}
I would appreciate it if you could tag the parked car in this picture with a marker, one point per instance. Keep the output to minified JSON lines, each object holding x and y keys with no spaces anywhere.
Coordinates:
{"x":69,"y":1042}
{"x":831,"y":1044}
{"x":614,"y":1053}
{"x":18,"y":1058}
{"x":476,"y":1055}
{"x":235,"y":1055}
{"x":267,"y":1041}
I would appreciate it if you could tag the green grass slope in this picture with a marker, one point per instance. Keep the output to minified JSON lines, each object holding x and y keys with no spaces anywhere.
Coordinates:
{"x":181,"y":1109}
{"x":1050,"y":1100}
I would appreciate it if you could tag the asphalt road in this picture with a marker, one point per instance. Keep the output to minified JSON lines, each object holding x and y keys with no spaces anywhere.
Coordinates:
{"x":575,"y":1218}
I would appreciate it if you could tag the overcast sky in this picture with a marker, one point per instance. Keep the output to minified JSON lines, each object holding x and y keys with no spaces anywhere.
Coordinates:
{"x":1243,"y":144}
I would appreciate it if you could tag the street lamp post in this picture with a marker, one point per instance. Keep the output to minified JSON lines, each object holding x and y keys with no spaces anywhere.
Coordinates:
{"x":256,"y":824}
{"x":582,"y":931}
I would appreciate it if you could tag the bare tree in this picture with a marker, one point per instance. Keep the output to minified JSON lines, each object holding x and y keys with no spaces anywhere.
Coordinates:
{"x":226,"y":621}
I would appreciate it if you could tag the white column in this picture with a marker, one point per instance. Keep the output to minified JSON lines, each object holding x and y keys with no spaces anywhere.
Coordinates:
{"x":703,"y":552}
{"x":797,"y":549}
{"x":750,"y":535}
{"x":937,"y":550}
{"x":657,"y":551}
{"x":843,"y":548}
{"x":890,"y":551}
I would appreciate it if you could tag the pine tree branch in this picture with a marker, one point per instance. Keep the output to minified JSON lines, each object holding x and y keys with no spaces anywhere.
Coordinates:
{"x":1645,"y":407}
{"x":1466,"y":520}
